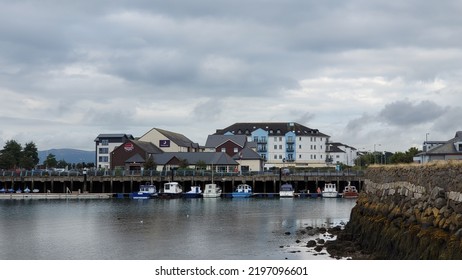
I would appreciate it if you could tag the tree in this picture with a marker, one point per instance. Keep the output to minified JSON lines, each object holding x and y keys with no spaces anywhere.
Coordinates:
{"x":50,"y":161}
{"x":150,"y":164}
{"x":201,"y":165}
{"x":406,"y":157}
{"x":29,"y":157}
{"x":11,"y":154}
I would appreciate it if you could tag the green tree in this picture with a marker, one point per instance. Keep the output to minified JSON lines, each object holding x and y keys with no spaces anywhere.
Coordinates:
{"x":201,"y":165}
{"x":11,"y":154}
{"x":150,"y":164}
{"x":61,"y":164}
{"x":404,"y":157}
{"x":29,"y":157}
{"x":50,"y":161}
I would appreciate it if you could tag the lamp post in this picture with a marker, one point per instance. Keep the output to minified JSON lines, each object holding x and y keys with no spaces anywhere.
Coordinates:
{"x":374,"y":152}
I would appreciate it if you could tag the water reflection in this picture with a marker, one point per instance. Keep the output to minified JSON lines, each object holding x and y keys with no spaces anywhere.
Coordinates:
{"x":163,"y":229}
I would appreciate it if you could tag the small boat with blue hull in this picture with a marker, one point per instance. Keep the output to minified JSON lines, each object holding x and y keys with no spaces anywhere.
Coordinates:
{"x":2,"y":190}
{"x":195,"y":192}
{"x":171,"y":190}
{"x":146,"y":191}
{"x":242,"y":190}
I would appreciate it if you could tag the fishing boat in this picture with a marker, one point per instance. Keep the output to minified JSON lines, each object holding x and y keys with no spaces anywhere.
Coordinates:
{"x":212,"y":191}
{"x":146,"y":191}
{"x":286,"y":190}
{"x":171,"y":190}
{"x":242,"y":190}
{"x":330,"y":190}
{"x":195,"y":192}
{"x":350,"y":191}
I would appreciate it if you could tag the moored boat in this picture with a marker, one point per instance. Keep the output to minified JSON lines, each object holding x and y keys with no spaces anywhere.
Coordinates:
{"x":330,"y":190}
{"x":146,"y":191}
{"x":195,"y":192}
{"x":242,"y":190}
{"x":286,"y":190}
{"x":171,"y":190}
{"x":350,"y":191}
{"x":212,"y":191}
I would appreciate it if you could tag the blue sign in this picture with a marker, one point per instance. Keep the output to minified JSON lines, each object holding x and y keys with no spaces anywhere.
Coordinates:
{"x":164,"y":143}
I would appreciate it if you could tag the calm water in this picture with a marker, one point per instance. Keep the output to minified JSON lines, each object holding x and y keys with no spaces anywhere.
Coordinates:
{"x":124,"y":229}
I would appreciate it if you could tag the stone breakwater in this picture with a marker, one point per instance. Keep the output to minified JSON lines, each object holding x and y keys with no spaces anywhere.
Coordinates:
{"x":406,"y":212}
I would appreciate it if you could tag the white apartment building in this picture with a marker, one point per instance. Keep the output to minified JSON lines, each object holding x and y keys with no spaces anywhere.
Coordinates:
{"x":284,"y":144}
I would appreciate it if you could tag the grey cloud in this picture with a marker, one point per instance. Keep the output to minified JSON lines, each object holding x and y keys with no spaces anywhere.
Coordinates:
{"x":404,"y":113}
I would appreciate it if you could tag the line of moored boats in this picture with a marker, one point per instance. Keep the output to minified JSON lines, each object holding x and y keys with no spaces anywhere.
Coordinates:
{"x":175,"y":190}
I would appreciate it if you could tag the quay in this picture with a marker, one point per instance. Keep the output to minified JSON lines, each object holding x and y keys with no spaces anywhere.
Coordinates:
{"x":5,"y":196}
{"x":264,"y":183}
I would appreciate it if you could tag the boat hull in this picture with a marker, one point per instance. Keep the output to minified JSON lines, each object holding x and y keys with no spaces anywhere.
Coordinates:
{"x":143,"y":196}
{"x":241,"y":195}
{"x":170,"y":195}
{"x":288,"y":194}
{"x":350,"y":195}
{"x":330,"y":194}
{"x":192,"y":195}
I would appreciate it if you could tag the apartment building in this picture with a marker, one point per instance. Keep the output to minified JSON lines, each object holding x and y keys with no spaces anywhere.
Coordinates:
{"x":283,"y":144}
{"x":105,"y":144}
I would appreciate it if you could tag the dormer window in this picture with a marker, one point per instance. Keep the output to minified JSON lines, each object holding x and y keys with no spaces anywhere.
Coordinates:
{"x":458,"y":146}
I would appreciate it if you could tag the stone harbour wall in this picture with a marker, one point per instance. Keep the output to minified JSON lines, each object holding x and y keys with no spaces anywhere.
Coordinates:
{"x":409,"y":212}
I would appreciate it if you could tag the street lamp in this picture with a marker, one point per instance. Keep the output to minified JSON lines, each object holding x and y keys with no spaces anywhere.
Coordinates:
{"x":374,"y":151}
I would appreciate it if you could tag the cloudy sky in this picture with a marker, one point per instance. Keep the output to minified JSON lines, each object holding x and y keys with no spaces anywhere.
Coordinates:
{"x":364,"y":72}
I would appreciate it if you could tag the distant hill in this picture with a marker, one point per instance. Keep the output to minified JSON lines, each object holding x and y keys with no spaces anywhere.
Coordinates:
{"x":68,"y":155}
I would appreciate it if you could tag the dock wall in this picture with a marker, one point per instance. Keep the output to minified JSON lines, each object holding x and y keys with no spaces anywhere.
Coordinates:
{"x":409,"y":212}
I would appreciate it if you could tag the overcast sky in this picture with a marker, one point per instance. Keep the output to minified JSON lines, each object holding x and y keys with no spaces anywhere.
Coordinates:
{"x":364,"y":72}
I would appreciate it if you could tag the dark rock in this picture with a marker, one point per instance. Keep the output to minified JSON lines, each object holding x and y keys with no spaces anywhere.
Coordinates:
{"x":318,"y":248}
{"x":311,"y":243}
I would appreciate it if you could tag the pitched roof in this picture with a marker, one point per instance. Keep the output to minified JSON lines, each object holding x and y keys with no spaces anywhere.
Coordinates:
{"x":176,"y":138}
{"x":193,"y":158}
{"x":214,"y":141}
{"x":247,"y":154}
{"x":148,"y":147}
{"x":136,"y":159}
{"x":273,"y":128}
{"x":448,"y":147}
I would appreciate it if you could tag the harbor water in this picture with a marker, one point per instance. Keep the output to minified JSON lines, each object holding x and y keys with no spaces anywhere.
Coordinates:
{"x":162,"y":229}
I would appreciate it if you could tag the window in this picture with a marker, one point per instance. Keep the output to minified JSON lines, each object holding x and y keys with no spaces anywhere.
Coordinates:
{"x":280,"y":139}
{"x":299,"y":146}
{"x":275,"y":139}
{"x":103,"y":159}
{"x":280,"y":147}
{"x":299,"y":156}
{"x":275,"y":147}
{"x":275,"y":157}
{"x":280,"y":156}
{"x":104,"y":142}
{"x":223,"y":150}
{"x":300,"y":138}
{"x":236,"y":150}
{"x":103,"y":150}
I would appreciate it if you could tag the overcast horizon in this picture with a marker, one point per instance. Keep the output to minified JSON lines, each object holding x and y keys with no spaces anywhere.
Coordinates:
{"x":363,"y":72}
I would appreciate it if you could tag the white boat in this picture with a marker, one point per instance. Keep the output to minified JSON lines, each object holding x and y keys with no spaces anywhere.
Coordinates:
{"x":330,"y":190}
{"x":212,"y":190}
{"x":171,"y":190}
{"x":242,"y":190}
{"x":145,"y":192}
{"x":195,"y":192}
{"x":286,"y":190}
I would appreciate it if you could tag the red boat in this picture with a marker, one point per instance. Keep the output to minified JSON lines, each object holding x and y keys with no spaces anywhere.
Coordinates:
{"x":350,"y":191}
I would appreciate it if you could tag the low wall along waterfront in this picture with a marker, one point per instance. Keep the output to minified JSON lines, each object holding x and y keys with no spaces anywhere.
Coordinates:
{"x":409,"y":212}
